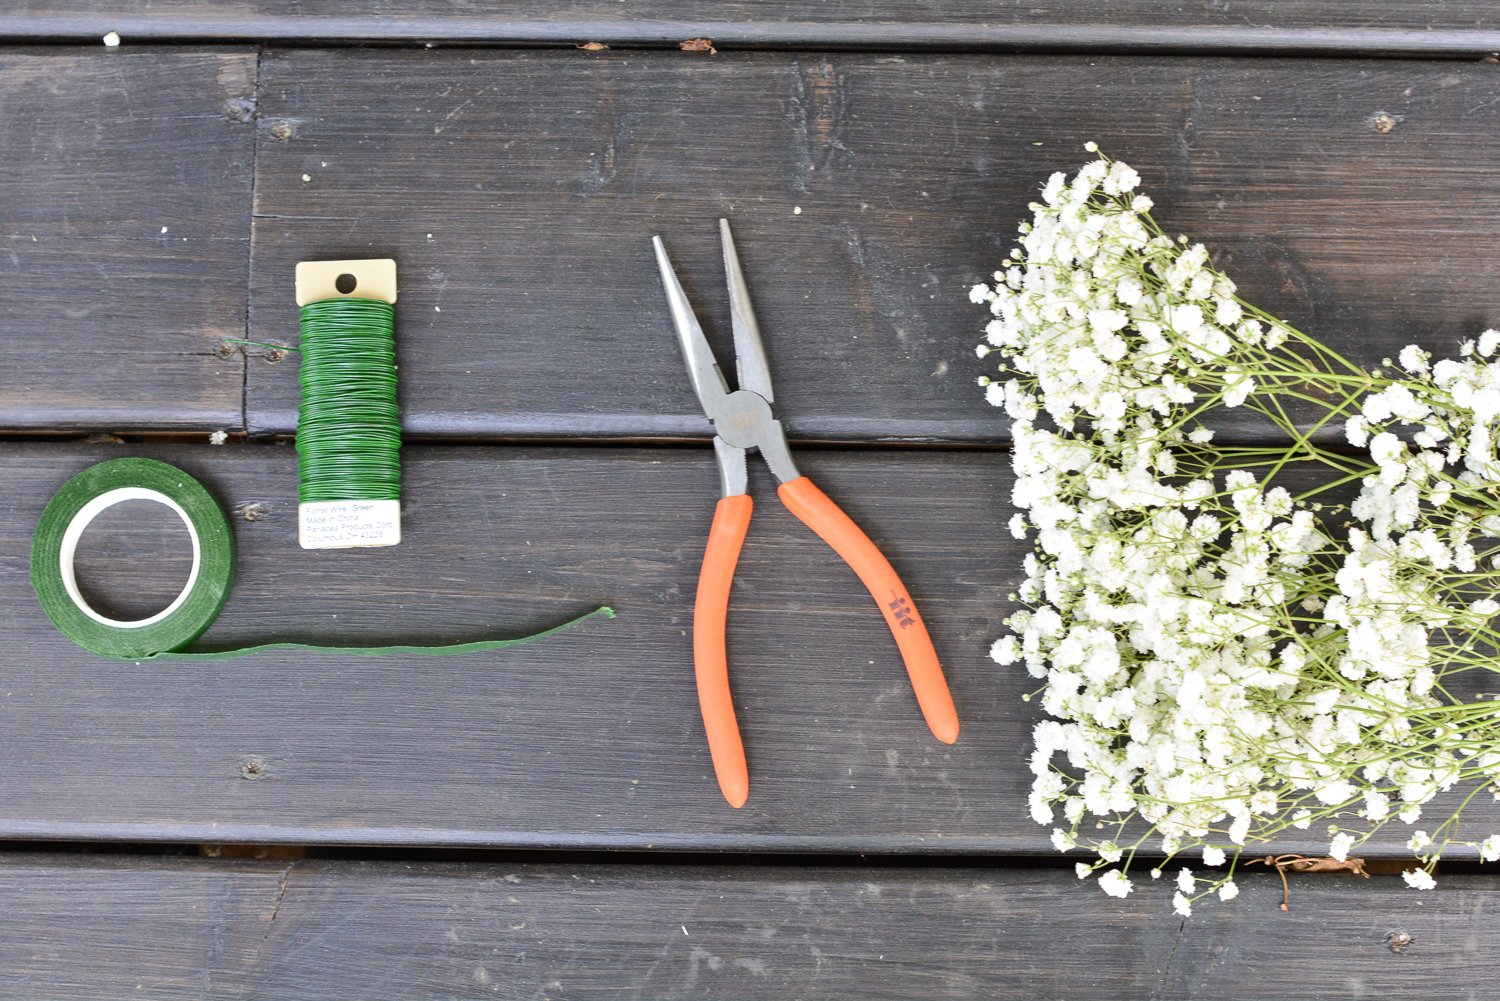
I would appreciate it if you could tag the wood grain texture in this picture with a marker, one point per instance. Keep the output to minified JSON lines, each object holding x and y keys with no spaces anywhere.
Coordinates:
{"x":518,"y":191}
{"x":123,"y":208}
{"x":340,"y":930}
{"x":1463,"y":27}
{"x":590,"y":739}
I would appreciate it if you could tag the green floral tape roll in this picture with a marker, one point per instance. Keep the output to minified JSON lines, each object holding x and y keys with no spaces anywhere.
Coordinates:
{"x":164,"y":634}
{"x":84,"y":498}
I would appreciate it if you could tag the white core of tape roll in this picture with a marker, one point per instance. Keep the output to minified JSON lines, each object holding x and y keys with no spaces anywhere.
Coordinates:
{"x":85,"y":517}
{"x":348,"y":524}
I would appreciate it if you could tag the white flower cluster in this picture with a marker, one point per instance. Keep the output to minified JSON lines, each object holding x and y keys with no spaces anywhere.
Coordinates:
{"x":1218,"y":663}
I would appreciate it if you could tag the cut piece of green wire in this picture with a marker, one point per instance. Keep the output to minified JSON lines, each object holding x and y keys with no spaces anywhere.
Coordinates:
{"x":348,"y":427}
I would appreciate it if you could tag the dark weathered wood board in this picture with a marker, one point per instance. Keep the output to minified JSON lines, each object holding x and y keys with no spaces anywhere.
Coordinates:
{"x":123,"y":207}
{"x":589,"y":739}
{"x":1461,"y":27}
{"x":518,"y":191}
{"x":178,"y":928}
{"x":531,"y":308}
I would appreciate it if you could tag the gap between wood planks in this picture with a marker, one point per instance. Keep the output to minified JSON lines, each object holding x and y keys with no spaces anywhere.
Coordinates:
{"x":513,"y":856}
{"x":865,"y":36}
{"x":238,"y":437}
{"x":800,"y":444}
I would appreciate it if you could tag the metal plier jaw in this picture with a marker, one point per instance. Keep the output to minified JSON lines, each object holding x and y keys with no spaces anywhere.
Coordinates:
{"x":743,"y":420}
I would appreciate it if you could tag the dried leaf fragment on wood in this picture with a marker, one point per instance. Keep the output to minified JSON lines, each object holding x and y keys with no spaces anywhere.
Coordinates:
{"x":1304,"y":863}
{"x":698,"y":45}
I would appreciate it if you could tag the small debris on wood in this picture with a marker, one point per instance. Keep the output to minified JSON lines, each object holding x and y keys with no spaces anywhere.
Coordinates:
{"x":1303,"y":863}
{"x":281,"y":130}
{"x":594,"y":47}
{"x":104,"y":439}
{"x":698,"y":45}
{"x":112,"y":40}
{"x":253,"y":767}
{"x":240,"y":109}
{"x":1384,"y":121}
{"x":285,"y":853}
{"x":1398,"y":941}
{"x":218,"y":437}
{"x":254,"y":511}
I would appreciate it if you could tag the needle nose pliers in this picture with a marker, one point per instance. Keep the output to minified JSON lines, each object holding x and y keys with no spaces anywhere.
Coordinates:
{"x":743,"y":420}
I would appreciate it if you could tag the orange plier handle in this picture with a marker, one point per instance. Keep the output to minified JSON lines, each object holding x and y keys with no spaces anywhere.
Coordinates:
{"x":711,"y":664}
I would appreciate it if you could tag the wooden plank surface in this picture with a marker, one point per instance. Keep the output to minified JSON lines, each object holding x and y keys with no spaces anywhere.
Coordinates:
{"x":909,"y":172}
{"x":123,"y":208}
{"x":590,"y":739}
{"x":322,"y":929}
{"x":1412,"y":26}
{"x":518,"y":190}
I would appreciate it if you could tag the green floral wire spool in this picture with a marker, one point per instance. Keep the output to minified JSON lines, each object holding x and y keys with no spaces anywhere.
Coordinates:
{"x":348,"y":426}
{"x":349,"y":422}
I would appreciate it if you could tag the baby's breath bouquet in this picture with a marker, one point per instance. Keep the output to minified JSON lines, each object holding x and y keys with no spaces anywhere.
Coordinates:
{"x":1233,"y":639}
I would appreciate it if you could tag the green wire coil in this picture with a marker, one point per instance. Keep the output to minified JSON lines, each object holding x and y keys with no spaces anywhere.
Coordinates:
{"x":348,"y":425}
